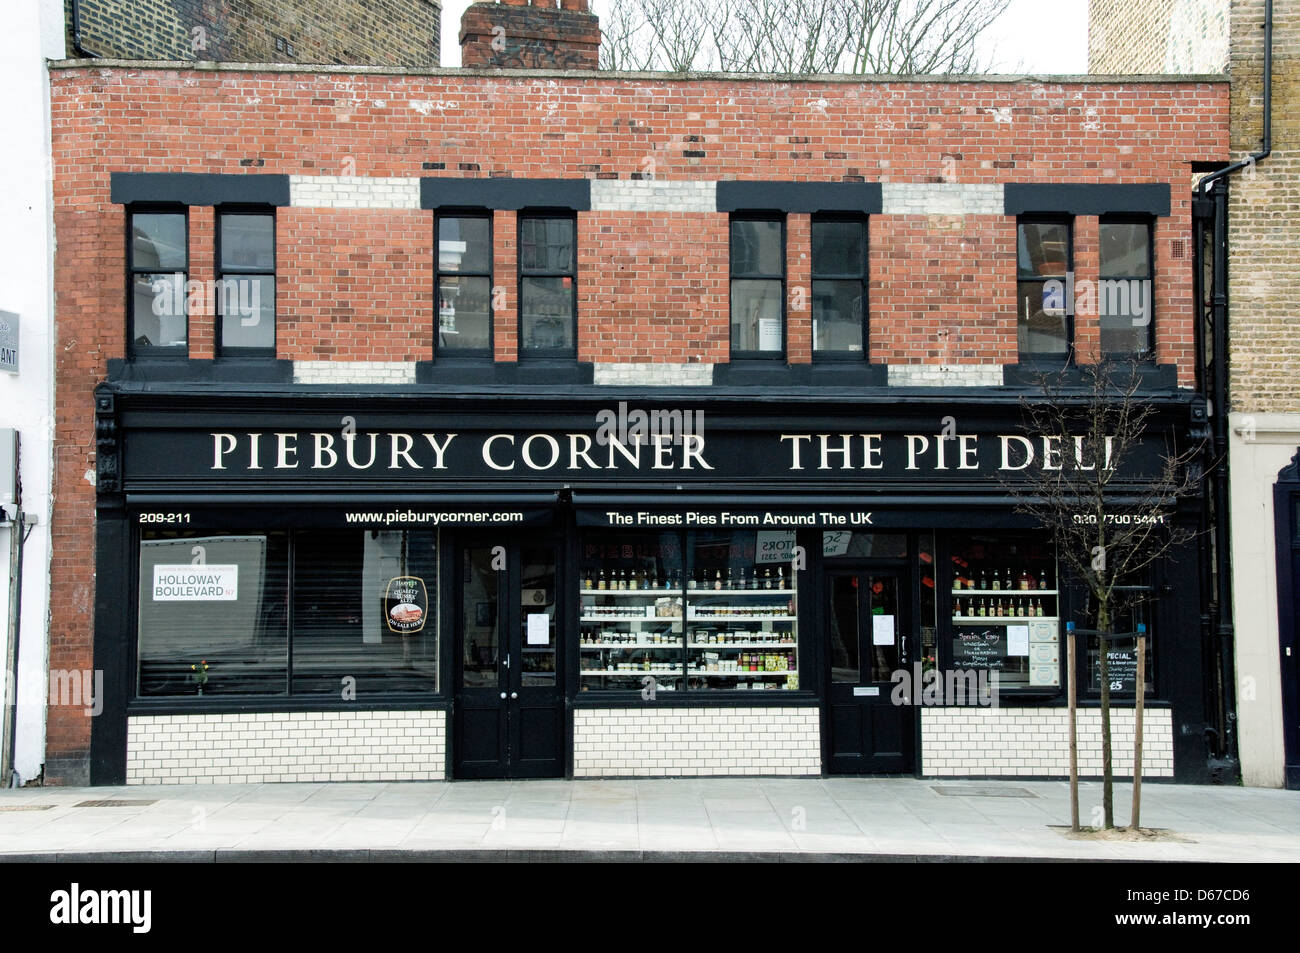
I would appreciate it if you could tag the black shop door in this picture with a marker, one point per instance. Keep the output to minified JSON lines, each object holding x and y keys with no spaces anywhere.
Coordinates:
{"x":509,"y":714}
{"x":868,"y":638}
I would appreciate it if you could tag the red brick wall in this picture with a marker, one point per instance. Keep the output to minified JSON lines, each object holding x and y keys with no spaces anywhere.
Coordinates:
{"x":357,"y":285}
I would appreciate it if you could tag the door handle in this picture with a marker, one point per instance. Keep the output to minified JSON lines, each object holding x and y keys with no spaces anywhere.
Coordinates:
{"x":514,"y":694}
{"x":503,"y":694}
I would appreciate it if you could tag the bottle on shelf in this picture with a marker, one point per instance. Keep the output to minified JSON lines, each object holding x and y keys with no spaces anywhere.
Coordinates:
{"x":717,"y":579}
{"x":740,"y":583}
{"x":602,"y":583}
{"x":1038,"y":607}
{"x":1042,"y":579}
{"x":1024,"y":580}
{"x":586,"y":581}
{"x":997,"y":583}
{"x":730,"y":583}
{"x":780,"y":577}
{"x":693,"y":583}
{"x":956,"y":608}
{"x":983,"y":610}
{"x":767,"y":578}
{"x":1010,"y":580}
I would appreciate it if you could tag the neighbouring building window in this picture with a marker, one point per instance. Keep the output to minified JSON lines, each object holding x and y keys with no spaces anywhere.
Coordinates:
{"x":757,"y":288}
{"x":464,"y":285}
{"x":548,"y":286}
{"x":246,"y":283}
{"x":1043,"y":307}
{"x":157,"y":273}
{"x":1125,"y":296}
{"x":337,"y":613}
{"x":839,"y":288}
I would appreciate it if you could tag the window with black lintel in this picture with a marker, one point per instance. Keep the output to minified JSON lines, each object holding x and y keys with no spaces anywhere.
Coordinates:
{"x":757,"y":287}
{"x":245,"y":293}
{"x":548,"y":286}
{"x":839,"y":288}
{"x":463,"y":285}
{"x":1044,"y":315}
{"x":157,"y":277}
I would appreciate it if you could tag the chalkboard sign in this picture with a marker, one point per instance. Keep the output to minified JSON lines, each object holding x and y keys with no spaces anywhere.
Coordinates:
{"x":973,"y":647}
{"x":1121,"y":666}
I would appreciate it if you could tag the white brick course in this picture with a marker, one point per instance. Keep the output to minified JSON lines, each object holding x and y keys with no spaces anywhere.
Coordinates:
{"x":353,"y":191}
{"x":653,"y":375}
{"x":653,"y":195}
{"x":1035,"y":741}
{"x":285,"y":746}
{"x":353,"y":372}
{"x":941,"y":198}
{"x":693,"y":741}
{"x":945,"y":375}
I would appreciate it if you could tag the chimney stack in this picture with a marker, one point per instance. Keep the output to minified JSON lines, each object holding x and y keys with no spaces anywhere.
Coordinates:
{"x":519,"y":34}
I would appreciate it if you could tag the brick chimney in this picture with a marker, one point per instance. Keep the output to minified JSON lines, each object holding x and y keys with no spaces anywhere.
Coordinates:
{"x":517,"y":34}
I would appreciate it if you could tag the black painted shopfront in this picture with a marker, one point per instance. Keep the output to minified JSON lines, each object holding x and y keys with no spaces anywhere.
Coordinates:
{"x":510,"y":559}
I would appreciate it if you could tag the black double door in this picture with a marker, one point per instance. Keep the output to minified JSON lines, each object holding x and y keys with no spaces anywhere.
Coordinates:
{"x":869,"y":637}
{"x":509,"y":712}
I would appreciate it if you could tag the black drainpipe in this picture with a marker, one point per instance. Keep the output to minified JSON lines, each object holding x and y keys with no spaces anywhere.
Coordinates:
{"x":82,"y":50}
{"x":1215,"y":187}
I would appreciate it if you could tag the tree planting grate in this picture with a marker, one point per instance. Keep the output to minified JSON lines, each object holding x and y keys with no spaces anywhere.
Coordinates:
{"x":25,"y":807}
{"x":115,"y":803}
{"x":975,"y":790}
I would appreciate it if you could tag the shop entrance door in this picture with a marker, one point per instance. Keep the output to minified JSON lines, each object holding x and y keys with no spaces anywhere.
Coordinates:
{"x":509,"y":715}
{"x":868,"y":638}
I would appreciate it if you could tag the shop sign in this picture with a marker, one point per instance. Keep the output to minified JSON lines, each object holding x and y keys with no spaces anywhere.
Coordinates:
{"x":195,"y":583}
{"x":406,"y":605}
{"x":317,"y":457}
{"x":8,"y":342}
{"x":775,"y":547}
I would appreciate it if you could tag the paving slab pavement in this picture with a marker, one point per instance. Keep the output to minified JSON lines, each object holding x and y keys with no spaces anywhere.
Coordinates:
{"x":644,"y":819}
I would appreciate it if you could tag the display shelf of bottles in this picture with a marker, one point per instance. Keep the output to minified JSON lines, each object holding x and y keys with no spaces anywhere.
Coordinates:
{"x":1004,"y":592}
{"x":630,"y":592}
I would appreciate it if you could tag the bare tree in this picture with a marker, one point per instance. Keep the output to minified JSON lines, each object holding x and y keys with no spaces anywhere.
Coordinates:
{"x":1106,"y":491}
{"x":811,"y":36}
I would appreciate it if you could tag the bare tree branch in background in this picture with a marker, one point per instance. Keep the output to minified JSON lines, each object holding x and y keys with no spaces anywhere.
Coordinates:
{"x":801,"y":37}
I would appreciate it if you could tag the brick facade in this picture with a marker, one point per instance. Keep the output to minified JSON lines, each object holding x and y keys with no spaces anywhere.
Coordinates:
{"x":361,"y":32}
{"x":355,"y":258}
{"x":1158,"y":36}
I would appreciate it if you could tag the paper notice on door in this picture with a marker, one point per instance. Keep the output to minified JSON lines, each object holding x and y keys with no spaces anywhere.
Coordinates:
{"x":1017,"y":640}
{"x":539,"y":628}
{"x":882,"y":630}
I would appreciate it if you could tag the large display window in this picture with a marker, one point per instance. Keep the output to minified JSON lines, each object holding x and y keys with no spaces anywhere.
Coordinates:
{"x":342,"y":613}
{"x":698,"y":611}
{"x":1005,"y":608}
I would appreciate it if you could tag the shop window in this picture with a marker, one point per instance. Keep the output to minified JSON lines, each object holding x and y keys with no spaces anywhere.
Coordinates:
{"x":218,"y":614}
{"x":700,"y":611}
{"x":1044,"y":313}
{"x":463,"y":288}
{"x":1004,"y":609}
{"x":839,"y":289}
{"x":157,"y":275}
{"x":757,"y":288}
{"x":1125,"y":294}
{"x":213,"y":613}
{"x":246,"y":283}
{"x":547,"y":286}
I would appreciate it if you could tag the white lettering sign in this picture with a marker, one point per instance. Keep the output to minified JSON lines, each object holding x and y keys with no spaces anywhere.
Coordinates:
{"x":207,"y":583}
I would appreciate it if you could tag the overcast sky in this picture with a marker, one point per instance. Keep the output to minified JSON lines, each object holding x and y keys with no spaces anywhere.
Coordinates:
{"x":1033,"y":36}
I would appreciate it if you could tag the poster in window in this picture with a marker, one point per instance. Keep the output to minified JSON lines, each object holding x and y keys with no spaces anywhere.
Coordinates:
{"x":406,"y":603}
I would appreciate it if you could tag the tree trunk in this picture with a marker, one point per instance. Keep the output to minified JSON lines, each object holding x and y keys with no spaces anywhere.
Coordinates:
{"x":1071,"y":664}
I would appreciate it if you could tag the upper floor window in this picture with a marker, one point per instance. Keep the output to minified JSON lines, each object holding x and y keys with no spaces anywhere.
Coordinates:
{"x":548,"y":285}
{"x":1044,"y":259}
{"x":246,"y":283}
{"x":463,"y":287}
{"x":757,"y":287}
{"x":1125,"y":302}
{"x":839,"y":289}
{"x":157,"y":273}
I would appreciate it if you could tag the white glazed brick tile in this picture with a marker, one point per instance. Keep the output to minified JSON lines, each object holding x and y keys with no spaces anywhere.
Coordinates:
{"x":354,"y":372}
{"x":945,"y":375}
{"x":1008,"y":740}
{"x":276,"y":747}
{"x":941,"y":198}
{"x":352,"y":191}
{"x":644,"y":374}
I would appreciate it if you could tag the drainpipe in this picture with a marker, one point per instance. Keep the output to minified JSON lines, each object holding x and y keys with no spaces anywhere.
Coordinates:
{"x":87,"y":55}
{"x":1215,"y":187}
